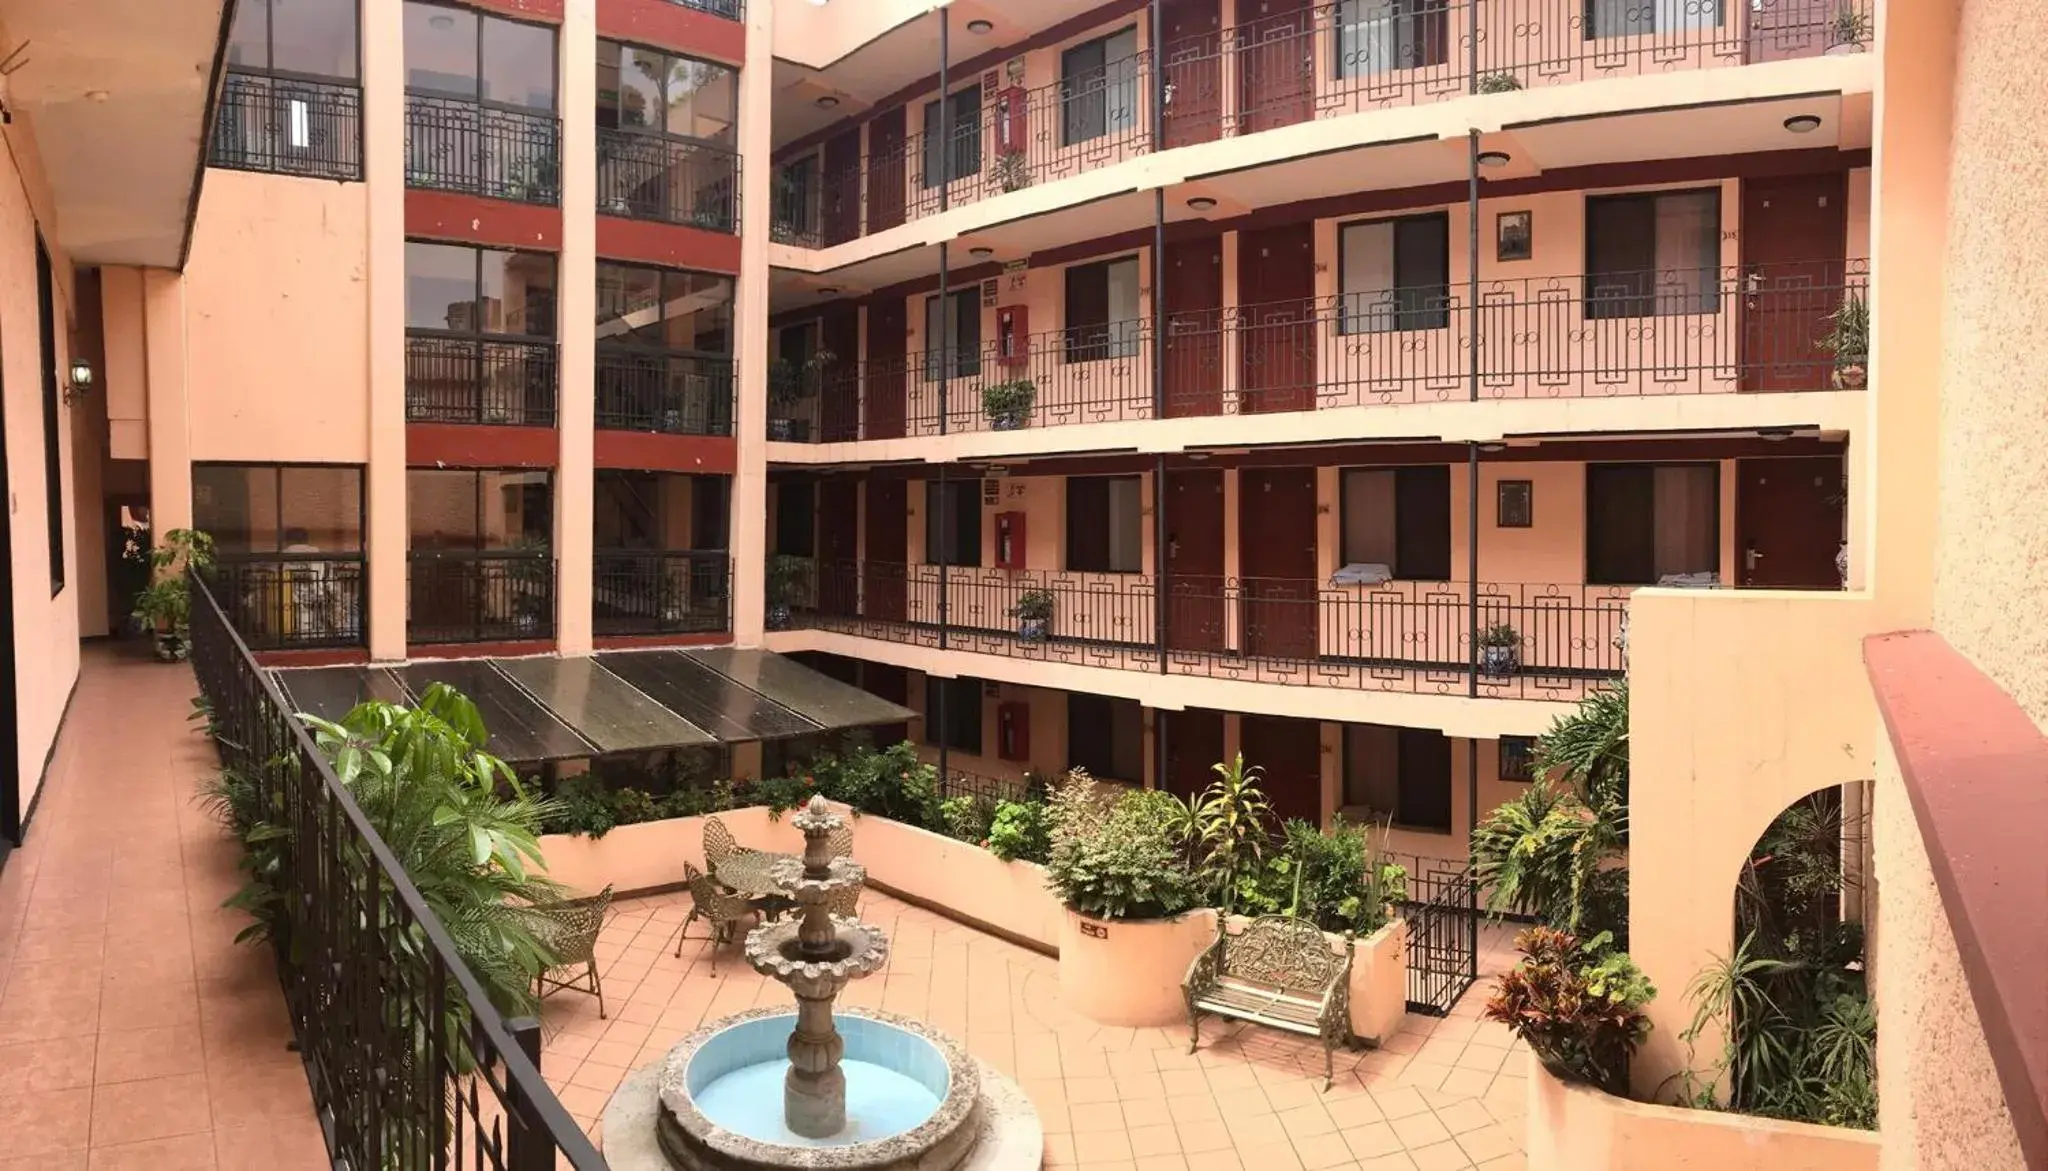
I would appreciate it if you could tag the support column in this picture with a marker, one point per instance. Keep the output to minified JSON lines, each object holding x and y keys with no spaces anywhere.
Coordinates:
{"x":751,"y":335}
{"x":170,"y":439}
{"x":385,"y":531}
{"x":576,"y":296}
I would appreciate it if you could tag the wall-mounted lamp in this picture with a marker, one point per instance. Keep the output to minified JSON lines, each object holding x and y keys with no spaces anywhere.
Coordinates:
{"x":1493,"y":158}
{"x":1803,"y":123}
{"x":980,"y":27}
{"x":1201,"y":203}
{"x":80,"y":383}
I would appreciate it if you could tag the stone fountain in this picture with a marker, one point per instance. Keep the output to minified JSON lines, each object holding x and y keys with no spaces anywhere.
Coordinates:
{"x":861,"y":1090}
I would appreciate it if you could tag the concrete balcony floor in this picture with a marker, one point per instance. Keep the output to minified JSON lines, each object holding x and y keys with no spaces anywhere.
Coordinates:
{"x":134,"y":1032}
{"x":1443,"y":1093}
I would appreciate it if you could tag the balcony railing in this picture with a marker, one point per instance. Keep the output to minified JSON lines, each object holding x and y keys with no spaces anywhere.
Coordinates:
{"x":409,"y":1062}
{"x":289,"y":126}
{"x":729,"y":9}
{"x":496,"y":381}
{"x":292,"y":601}
{"x":663,"y":391}
{"x":495,"y":151}
{"x":1747,"y":329}
{"x":479,"y":597}
{"x":675,"y":181}
{"x":1395,"y":636}
{"x":1273,"y":71}
{"x":635,"y":592}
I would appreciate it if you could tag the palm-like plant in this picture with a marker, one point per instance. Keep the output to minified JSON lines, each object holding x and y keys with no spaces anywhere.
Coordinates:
{"x":1588,"y":748}
{"x":1232,"y":820}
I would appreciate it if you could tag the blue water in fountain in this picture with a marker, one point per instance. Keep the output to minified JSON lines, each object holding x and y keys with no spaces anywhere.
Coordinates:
{"x":895,"y":1080}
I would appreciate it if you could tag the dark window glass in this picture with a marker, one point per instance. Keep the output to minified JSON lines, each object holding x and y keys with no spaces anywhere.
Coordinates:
{"x":494,"y":509}
{"x":440,"y":50}
{"x":664,"y":309}
{"x":1106,"y":736}
{"x":1646,"y":523}
{"x":711,"y":508}
{"x":1653,"y":255}
{"x":1102,"y":310}
{"x":53,"y":460}
{"x":489,"y":291}
{"x":645,"y":89}
{"x":1518,"y":758}
{"x":796,"y":517}
{"x":458,"y":53}
{"x":959,"y":336}
{"x":965,"y":157}
{"x":1395,"y":274}
{"x":1099,"y":87}
{"x":952,"y":508}
{"x":1425,"y":772}
{"x":273,"y":508}
{"x":518,"y":64}
{"x":952,"y":714}
{"x":1399,"y":518}
{"x":315,"y":38}
{"x":1104,"y":524}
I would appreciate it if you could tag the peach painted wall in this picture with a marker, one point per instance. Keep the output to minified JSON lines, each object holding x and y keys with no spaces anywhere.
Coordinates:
{"x":277,"y":320}
{"x":1048,"y":717}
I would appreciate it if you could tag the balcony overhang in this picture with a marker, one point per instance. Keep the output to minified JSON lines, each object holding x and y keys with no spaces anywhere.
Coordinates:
{"x":117,"y":95}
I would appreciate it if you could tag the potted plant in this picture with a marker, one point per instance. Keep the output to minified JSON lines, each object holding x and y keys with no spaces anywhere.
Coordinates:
{"x":786,"y":577}
{"x":1033,"y":613}
{"x":164,"y":606}
{"x":1008,"y":404}
{"x":1848,"y":339}
{"x":1498,"y":83}
{"x":1010,"y":171}
{"x":1847,"y":33}
{"x":789,"y":383}
{"x":1500,"y":650}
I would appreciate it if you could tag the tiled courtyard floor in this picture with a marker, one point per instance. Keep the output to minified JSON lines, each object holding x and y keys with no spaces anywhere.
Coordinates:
{"x":134,"y":1032}
{"x":1441,"y":1094}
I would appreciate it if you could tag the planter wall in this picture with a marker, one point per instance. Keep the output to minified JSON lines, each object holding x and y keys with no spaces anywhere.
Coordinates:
{"x":1379,"y":978}
{"x":1129,"y":971}
{"x":963,"y":879}
{"x":649,"y":855}
{"x":1578,"y":1128}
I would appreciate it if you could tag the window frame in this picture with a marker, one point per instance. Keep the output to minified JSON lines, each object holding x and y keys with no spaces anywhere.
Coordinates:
{"x":1110,"y":705}
{"x":554,"y":106}
{"x":1092,"y":342}
{"x":53,"y":411}
{"x":1073,"y":563}
{"x":476,"y":300}
{"x":668,"y":59}
{"x":1393,"y":815}
{"x":966,"y":358}
{"x":662,"y":273}
{"x":270,"y":69}
{"x":1074,"y":89}
{"x":1517,"y":759}
{"x":1422,"y":23}
{"x":476,"y":478}
{"x":1434,"y":318}
{"x":1344,"y":552}
{"x":941,"y":555}
{"x":952,"y":159}
{"x":280,"y":467}
{"x":1593,"y":33}
{"x":1651,"y":466}
{"x":1596,"y":306}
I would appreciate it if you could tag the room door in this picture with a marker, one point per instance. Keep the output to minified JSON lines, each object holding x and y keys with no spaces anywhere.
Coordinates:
{"x":1194,"y":744}
{"x":1795,"y":234}
{"x":841,"y":187}
{"x":1424,"y":768}
{"x":883,"y":586}
{"x":1789,"y":516}
{"x":1194,"y":71}
{"x":1290,"y":754}
{"x":1276,"y":541}
{"x":883,"y":407}
{"x":1276,"y":280}
{"x":1194,"y":327}
{"x":887,"y":167}
{"x":1276,"y":79}
{"x":839,"y":390}
{"x":1194,"y":560}
{"x":838,"y":548}
{"x":890,"y":682}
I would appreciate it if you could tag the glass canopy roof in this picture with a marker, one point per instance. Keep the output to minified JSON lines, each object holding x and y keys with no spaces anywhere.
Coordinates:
{"x":543,"y":709}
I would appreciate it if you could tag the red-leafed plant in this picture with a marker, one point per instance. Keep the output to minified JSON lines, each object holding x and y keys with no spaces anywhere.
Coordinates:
{"x":1579,"y":1005}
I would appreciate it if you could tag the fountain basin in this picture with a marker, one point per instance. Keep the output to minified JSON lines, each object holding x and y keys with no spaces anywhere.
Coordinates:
{"x":911,"y":1097}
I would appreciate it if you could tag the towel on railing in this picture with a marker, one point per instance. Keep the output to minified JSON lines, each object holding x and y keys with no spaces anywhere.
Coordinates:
{"x":1690,"y":581}
{"x":1362,"y":573}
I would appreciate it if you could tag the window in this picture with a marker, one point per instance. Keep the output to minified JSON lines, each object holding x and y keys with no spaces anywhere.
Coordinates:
{"x":1518,"y":758}
{"x":952,"y":714}
{"x":681,"y":97}
{"x":497,"y":509}
{"x":1399,"y":773}
{"x":1102,"y":310}
{"x":710,"y":512}
{"x":1653,"y":255}
{"x":1628,"y":18}
{"x":964,"y":158}
{"x":1399,"y":518}
{"x":1647,"y":523}
{"x":1099,"y":87}
{"x":279,"y":508}
{"x":460,"y":53}
{"x":1106,"y":736}
{"x":53,"y":454}
{"x":952,"y":522}
{"x":1396,"y":274}
{"x":478,"y":323}
{"x":960,"y":337}
{"x":1104,"y":529}
{"x":658,"y":511}
{"x":689,"y":312}
{"x":306,"y":38}
{"x":453,"y":288}
{"x":796,"y":517}
{"x":1380,"y":36}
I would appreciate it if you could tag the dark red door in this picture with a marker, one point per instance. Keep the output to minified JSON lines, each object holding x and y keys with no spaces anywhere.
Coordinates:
{"x":1795,"y":233}
{"x":1276,"y":52}
{"x":883,"y":408}
{"x":1276,"y":281}
{"x":838,"y":548}
{"x":1194,"y":71}
{"x":1194,"y":327}
{"x":839,"y":389}
{"x":885,"y":170}
{"x":890,"y":682}
{"x":888,"y":550}
{"x":841,"y":187}
{"x":1194,"y":746}
{"x":1289,"y":752}
{"x":1276,"y":541}
{"x":1194,"y":560}
{"x":1788,"y":513}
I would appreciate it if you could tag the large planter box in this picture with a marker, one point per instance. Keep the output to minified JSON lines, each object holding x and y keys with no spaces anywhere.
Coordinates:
{"x":650,"y":855}
{"x":1129,"y":971}
{"x":960,"y":879}
{"x":1379,"y":978}
{"x":1579,"y":1128}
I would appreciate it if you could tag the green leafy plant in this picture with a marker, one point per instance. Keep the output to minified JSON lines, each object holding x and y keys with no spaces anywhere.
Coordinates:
{"x":1011,"y":170}
{"x":1499,"y":83}
{"x":1008,"y":404}
{"x":792,"y":381}
{"x":1850,"y":26}
{"x":967,"y":818}
{"x":1578,"y":1004}
{"x":788,"y":584}
{"x":1020,"y":832}
{"x":1033,"y":612}
{"x":1336,"y":878}
{"x":164,"y":606}
{"x":1232,"y":822}
{"x":1499,"y":635}
{"x":1113,"y":855}
{"x":1848,"y":339}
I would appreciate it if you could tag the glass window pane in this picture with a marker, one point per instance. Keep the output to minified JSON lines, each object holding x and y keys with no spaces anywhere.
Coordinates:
{"x":440,"y":287}
{"x":1126,"y":529}
{"x":440,"y":49}
{"x":249,"y":36}
{"x":321,"y":509}
{"x":703,"y":101}
{"x":628,"y":304}
{"x":314,"y":36}
{"x":608,"y":55}
{"x":237,"y":504}
{"x":698,"y":312}
{"x":518,"y":294}
{"x":441,"y":508}
{"x":640,"y":88}
{"x":519,"y":64}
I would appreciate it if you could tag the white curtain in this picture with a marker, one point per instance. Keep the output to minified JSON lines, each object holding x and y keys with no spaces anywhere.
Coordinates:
{"x":1124,"y":317}
{"x":1126,"y":527}
{"x":1686,"y":507}
{"x":1368,"y":278}
{"x":1368,"y":38}
{"x":1688,"y":252}
{"x":1368,"y":517}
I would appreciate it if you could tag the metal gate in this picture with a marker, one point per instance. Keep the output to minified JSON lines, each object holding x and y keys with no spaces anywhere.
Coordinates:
{"x":1443,"y":939}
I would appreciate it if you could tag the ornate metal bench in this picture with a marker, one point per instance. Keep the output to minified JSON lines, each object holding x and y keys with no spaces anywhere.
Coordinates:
{"x":1278,"y":972}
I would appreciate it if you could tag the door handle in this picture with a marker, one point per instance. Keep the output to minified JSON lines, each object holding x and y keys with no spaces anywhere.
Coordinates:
{"x":1750,"y":557}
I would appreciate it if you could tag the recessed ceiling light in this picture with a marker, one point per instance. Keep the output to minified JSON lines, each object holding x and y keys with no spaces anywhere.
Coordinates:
{"x":827,"y":102}
{"x":828,"y":291}
{"x":1493,"y":158}
{"x":441,"y":21}
{"x":1803,"y":123}
{"x":1775,"y":434}
{"x":980,"y":27}
{"x":1201,"y":203}
{"x":1490,"y":448}
{"x":96,"y":95}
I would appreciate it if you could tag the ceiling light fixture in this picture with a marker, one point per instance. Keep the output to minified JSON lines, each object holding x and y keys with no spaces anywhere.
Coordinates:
{"x":829,"y":291}
{"x":980,"y":27}
{"x":441,"y":22}
{"x":1201,"y":203}
{"x":1775,"y":434}
{"x":981,"y":252}
{"x":1493,"y":158}
{"x":1803,"y":123}
{"x":96,"y":95}
{"x":827,"y":102}
{"x":1491,"y":448}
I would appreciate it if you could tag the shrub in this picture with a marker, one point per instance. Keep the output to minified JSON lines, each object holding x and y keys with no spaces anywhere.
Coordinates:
{"x":967,"y":819}
{"x":1020,"y":832}
{"x":1232,"y":820}
{"x":1579,"y":1005}
{"x":1334,"y":878}
{"x":1117,"y":856}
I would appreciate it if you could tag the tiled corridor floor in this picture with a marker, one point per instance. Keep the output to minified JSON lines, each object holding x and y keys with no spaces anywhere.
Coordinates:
{"x":134,"y":1032}
{"x":1441,"y":1094}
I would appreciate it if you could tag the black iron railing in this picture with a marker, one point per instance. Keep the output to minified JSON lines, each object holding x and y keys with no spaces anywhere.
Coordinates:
{"x":497,"y":381}
{"x":288,"y":601}
{"x":409,"y":1063}
{"x":479,"y":596}
{"x":663,"y":391}
{"x":729,"y":9}
{"x":675,"y":181}
{"x":1393,"y":636}
{"x":1271,"y":71}
{"x":288,"y":126}
{"x":497,"y":151}
{"x":636,"y":592}
{"x":1442,"y":910}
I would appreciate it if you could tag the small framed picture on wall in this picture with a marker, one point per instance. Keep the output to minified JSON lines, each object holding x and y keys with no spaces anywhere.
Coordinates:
{"x":1516,"y":505}
{"x":1513,"y":235}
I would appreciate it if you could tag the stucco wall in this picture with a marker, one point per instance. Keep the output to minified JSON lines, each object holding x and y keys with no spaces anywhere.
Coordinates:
{"x":1991,"y":580}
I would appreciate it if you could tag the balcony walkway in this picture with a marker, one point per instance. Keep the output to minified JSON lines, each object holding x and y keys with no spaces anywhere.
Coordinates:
{"x":1441,"y":1094}
{"x":134,"y":1032}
